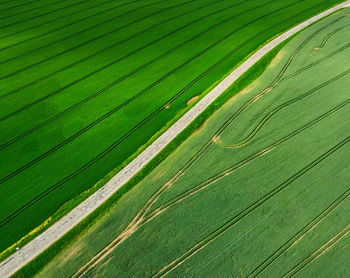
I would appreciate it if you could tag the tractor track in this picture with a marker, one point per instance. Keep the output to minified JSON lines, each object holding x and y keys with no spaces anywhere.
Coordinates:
{"x":275,"y":81}
{"x":300,"y":234}
{"x":40,"y":15}
{"x":30,"y":250}
{"x":274,"y":111}
{"x":111,"y":46}
{"x":143,"y":216}
{"x":314,"y":256}
{"x":71,"y":108}
{"x":195,"y":189}
{"x":85,"y":100}
{"x":339,"y":50}
{"x":121,"y":58}
{"x":13,"y":7}
{"x":116,"y":143}
{"x":326,"y":39}
{"x":61,"y":27}
{"x":118,"y":107}
{"x":32,"y":9}
{"x":76,"y":34}
{"x":238,"y":217}
{"x":110,"y":148}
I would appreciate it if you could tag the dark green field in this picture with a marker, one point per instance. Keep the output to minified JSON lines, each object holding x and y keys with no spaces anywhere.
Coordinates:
{"x":261,"y":189}
{"x":85,"y":84}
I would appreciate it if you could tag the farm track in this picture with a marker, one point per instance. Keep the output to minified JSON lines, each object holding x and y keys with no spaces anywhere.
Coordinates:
{"x":301,"y":233}
{"x":223,"y":228}
{"x":193,"y":190}
{"x":314,"y":256}
{"x":274,"y":111}
{"x":18,"y":6}
{"x":142,"y":217}
{"x":15,"y":139}
{"x":19,"y":259}
{"x":71,"y":108}
{"x":277,"y":78}
{"x":161,"y":79}
{"x":165,"y":76}
{"x":79,"y":33}
{"x":208,"y":182}
{"x":237,"y":113}
{"x":326,"y":39}
{"x":59,"y":18}
{"x":339,"y":50}
{"x":124,"y":57}
{"x":111,"y":147}
{"x":40,"y":15}
{"x":32,"y":9}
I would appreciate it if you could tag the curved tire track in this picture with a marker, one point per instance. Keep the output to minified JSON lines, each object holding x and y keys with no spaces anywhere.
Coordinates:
{"x":195,"y":189}
{"x":143,"y":216}
{"x":117,"y":108}
{"x":326,"y":39}
{"x":226,"y":226}
{"x":339,"y":50}
{"x":39,"y":244}
{"x":274,"y":111}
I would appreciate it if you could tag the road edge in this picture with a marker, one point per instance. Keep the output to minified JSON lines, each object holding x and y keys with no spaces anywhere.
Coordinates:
{"x":43,"y":241}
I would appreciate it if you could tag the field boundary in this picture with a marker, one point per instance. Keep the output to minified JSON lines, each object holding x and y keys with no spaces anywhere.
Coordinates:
{"x":42,"y":242}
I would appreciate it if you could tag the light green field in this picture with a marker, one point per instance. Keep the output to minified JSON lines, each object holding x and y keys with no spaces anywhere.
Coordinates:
{"x":261,"y":189}
{"x":84,"y":84}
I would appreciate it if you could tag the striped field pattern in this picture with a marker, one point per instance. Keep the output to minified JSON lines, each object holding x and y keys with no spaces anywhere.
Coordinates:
{"x":260,"y":190}
{"x":84,"y":84}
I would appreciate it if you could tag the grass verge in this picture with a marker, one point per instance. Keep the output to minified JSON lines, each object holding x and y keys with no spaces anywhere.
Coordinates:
{"x":34,"y":266}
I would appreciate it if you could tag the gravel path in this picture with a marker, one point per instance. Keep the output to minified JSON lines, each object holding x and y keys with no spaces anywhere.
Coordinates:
{"x":61,"y":227}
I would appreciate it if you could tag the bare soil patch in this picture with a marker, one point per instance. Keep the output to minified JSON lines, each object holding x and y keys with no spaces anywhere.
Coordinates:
{"x":192,"y":100}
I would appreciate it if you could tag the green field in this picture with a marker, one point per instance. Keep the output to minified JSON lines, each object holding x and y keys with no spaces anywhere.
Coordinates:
{"x":85,"y":84}
{"x":261,"y":189}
